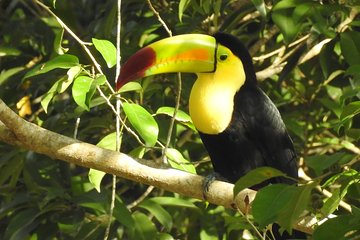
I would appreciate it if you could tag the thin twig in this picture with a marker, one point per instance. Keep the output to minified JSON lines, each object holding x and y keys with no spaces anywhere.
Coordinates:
{"x":159,"y":18}
{"x":172,"y":121}
{"x":251,"y":224}
{"x":118,"y":129}
{"x":76,"y":127}
{"x":141,"y":198}
{"x":281,"y":49}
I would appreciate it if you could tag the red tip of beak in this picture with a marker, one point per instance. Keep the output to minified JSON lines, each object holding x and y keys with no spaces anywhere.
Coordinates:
{"x":136,"y":66}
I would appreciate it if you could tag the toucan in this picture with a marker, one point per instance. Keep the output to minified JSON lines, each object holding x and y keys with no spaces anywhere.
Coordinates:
{"x":239,"y":125}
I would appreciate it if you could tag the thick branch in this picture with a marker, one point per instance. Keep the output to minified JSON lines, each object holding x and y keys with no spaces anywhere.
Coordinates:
{"x":16,"y":131}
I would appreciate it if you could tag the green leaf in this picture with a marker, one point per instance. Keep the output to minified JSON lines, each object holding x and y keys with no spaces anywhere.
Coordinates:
{"x":349,"y":42}
{"x":319,"y":163}
{"x":6,"y":74}
{"x":122,"y":214}
{"x":9,"y":51}
{"x":177,"y":161}
{"x":338,"y":228}
{"x":285,"y":4}
{"x":332,"y":105}
{"x":72,"y":73}
{"x":143,"y":122}
{"x":107,"y":50}
{"x":80,"y":90}
{"x":100,"y":80}
{"x":280,"y":203}
{"x":260,"y":6}
{"x":158,"y":212}
{"x":144,"y":228}
{"x":256,"y":176}
{"x":287,"y":26}
{"x":350,"y":110}
{"x":95,"y":178}
{"x":181,"y":116}
{"x":353,"y":133}
{"x":332,"y":203}
{"x":131,"y":86}
{"x":50,"y":94}
{"x":59,"y":33}
{"x":343,"y":179}
{"x":65,"y":61}
{"x":283,"y":17}
{"x":175,"y":202}
{"x":108,"y":142}
{"x":164,"y":236}
{"x":183,"y":4}
{"x":21,"y":224}
{"x":138,"y":152}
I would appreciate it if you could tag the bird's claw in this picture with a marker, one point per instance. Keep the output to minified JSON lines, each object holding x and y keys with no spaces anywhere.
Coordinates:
{"x":208,"y":180}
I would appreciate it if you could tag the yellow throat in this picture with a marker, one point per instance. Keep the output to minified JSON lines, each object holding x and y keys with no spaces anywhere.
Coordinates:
{"x":211,"y":101}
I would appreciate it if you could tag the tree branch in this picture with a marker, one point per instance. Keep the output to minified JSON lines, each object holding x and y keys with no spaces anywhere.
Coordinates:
{"x":16,"y":131}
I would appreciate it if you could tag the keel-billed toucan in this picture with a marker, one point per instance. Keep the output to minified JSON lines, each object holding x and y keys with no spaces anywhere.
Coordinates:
{"x":239,"y":125}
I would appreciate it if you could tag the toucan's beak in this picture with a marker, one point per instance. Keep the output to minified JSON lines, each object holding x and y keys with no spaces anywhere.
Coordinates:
{"x":183,"y":53}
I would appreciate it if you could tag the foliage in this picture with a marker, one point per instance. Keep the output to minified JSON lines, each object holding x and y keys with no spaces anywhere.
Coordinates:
{"x":47,"y":76}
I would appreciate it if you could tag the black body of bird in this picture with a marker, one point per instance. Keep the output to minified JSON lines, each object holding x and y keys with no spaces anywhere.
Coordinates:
{"x":256,"y":135}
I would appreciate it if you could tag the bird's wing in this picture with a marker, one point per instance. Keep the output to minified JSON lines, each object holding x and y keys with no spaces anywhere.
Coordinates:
{"x":267,"y":130}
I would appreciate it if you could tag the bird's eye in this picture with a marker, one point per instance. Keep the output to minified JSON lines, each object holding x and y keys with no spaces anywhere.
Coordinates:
{"x":223,"y":57}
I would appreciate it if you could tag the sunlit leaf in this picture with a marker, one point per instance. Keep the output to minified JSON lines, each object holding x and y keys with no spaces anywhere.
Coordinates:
{"x":183,"y":4}
{"x":80,"y":90}
{"x":108,"y":142}
{"x":143,"y":122}
{"x":138,"y":152}
{"x":107,"y":50}
{"x":164,"y":236}
{"x":65,"y":61}
{"x":130,"y":86}
{"x":95,"y":178}
{"x":177,"y":160}
{"x":181,"y":116}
